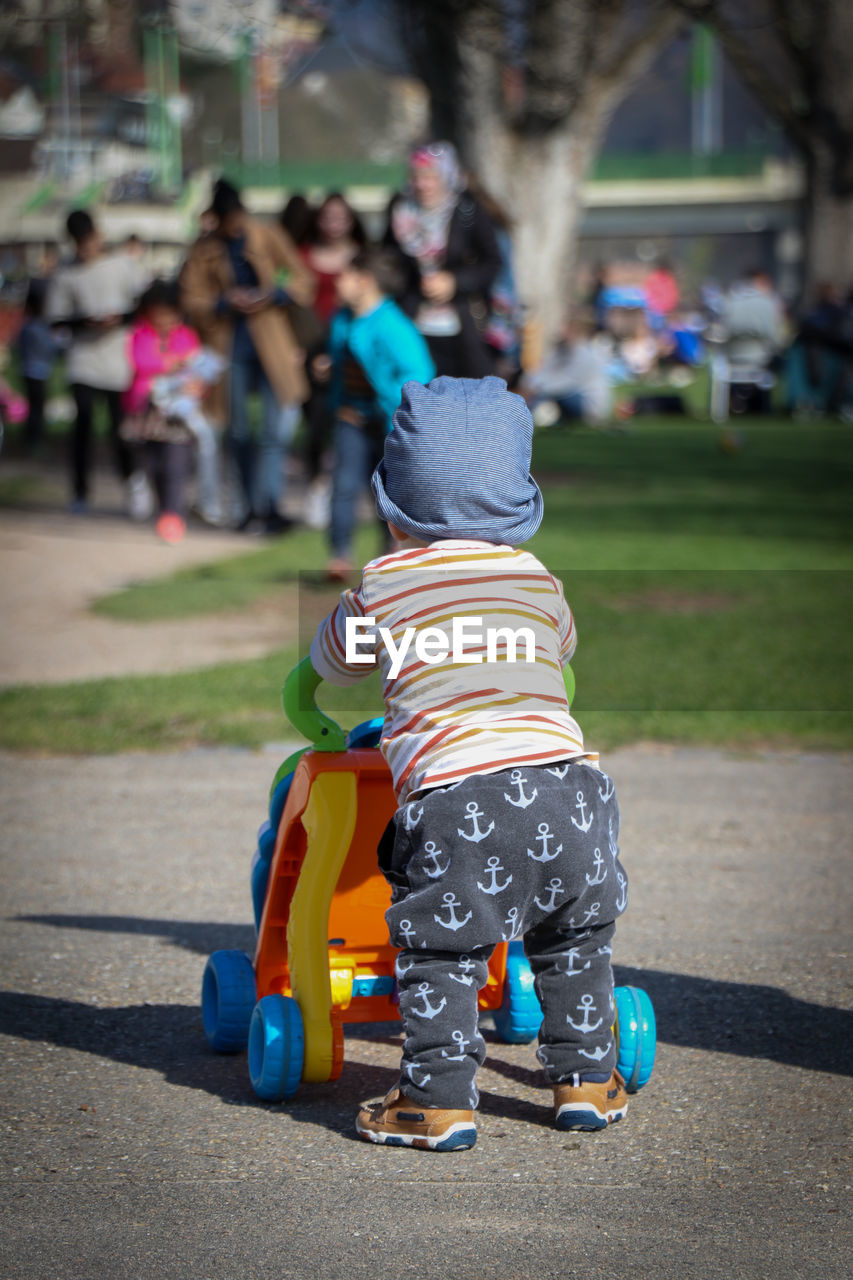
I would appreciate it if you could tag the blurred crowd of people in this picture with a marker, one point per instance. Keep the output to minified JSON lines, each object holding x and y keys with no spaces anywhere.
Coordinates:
{"x":266,"y":324}
{"x":206,"y":377}
{"x":635,"y":347}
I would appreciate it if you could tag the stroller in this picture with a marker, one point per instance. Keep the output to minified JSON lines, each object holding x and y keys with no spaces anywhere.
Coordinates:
{"x":322,"y":957}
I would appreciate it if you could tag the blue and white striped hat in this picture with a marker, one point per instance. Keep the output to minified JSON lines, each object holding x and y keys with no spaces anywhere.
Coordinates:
{"x":457,"y":464}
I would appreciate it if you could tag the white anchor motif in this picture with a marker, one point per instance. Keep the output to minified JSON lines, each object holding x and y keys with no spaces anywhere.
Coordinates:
{"x":410,"y":1068}
{"x":623,"y":891}
{"x":545,"y":834}
{"x":585,"y":822}
{"x":611,"y":840}
{"x":586,"y":1007}
{"x":591,"y":913}
{"x":511,"y":923}
{"x":466,"y":964}
{"x":523,"y":800}
{"x":559,"y":773}
{"x":608,"y":791}
{"x":555,"y":887}
{"x":407,"y":931}
{"x":429,"y":1010}
{"x":596,"y":1054}
{"x":459,"y":1040}
{"x":451,"y":903}
{"x":431,"y":852}
{"x":570,"y":971}
{"x":474,"y":813}
{"x":604,"y":951}
{"x":412,"y":822}
{"x":402,"y":967}
{"x":600,"y":876}
{"x":492,"y":867}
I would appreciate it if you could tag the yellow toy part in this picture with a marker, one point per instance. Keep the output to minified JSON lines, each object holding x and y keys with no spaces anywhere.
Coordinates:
{"x":329,"y":822}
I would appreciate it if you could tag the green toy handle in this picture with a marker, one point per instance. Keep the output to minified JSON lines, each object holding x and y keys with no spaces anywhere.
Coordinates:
{"x":297,"y":698}
{"x":569,"y":682}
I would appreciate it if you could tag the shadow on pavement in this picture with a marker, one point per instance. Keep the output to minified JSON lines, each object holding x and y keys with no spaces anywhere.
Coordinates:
{"x":750,"y":1021}
{"x":202,"y":937}
{"x":168,"y":1038}
{"x":731,"y":1017}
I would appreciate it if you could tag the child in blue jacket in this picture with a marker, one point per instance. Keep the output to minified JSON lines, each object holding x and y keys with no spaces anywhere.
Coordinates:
{"x":38,"y":350}
{"x":373,"y":350}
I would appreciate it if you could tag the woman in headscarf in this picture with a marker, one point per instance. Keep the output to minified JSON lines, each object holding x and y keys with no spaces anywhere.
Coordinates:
{"x":450,"y":258}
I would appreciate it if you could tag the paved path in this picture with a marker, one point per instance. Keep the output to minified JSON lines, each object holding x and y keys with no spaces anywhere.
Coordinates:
{"x":53,"y":566}
{"x":131,"y":1151}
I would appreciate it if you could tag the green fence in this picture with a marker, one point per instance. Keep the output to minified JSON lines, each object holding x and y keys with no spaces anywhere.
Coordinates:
{"x":612,"y":166}
{"x":323,"y":174}
{"x":328,"y":174}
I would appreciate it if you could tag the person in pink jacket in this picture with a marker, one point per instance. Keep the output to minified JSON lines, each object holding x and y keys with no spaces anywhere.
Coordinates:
{"x":168,"y":418}
{"x":661,"y":290}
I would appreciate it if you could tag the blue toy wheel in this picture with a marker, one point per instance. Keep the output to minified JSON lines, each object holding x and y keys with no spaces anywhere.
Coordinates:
{"x":366,"y":734}
{"x":276,"y":1048}
{"x":227,"y":999}
{"x":637,"y":1035}
{"x":520,"y":1016}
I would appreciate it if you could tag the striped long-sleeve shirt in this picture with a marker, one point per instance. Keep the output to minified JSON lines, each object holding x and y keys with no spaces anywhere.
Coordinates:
{"x":437,"y":621}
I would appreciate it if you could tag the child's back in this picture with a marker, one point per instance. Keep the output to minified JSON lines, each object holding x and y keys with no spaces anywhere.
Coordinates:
{"x":501,"y":700}
{"x":506,"y":828}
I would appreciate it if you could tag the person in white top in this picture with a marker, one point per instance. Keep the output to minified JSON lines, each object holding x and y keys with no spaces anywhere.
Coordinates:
{"x":94,"y":297}
{"x":575,"y":376}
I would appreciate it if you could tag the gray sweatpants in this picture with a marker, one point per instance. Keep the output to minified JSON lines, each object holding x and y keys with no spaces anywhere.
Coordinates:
{"x":525,"y":853}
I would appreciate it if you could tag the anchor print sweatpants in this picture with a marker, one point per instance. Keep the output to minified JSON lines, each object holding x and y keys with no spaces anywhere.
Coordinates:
{"x":525,"y":853}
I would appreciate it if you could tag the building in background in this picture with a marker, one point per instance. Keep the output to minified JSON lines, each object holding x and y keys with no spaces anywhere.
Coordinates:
{"x":131,"y":106}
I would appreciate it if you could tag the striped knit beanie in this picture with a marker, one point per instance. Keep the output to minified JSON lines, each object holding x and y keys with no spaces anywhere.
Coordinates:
{"x":457,"y":463}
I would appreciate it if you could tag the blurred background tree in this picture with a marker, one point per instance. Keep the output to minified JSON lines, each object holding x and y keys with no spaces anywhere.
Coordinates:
{"x":526,"y":91}
{"x":795,"y":57}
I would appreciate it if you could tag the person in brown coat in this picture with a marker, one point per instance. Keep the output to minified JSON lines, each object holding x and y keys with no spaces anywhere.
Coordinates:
{"x":236,"y":285}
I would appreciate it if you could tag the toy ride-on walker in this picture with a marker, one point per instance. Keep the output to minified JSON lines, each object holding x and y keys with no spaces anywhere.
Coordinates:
{"x":322,"y":956}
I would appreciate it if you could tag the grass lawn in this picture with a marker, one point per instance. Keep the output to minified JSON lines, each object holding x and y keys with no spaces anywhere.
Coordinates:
{"x":711,"y":587}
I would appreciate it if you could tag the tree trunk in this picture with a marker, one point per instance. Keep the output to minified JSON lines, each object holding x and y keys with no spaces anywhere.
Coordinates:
{"x":540,"y":182}
{"x":828,"y":254}
{"x":538,"y":179}
{"x":538,"y":175}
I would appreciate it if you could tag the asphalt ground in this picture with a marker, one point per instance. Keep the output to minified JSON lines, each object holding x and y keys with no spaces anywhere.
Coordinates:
{"x":130,"y":1150}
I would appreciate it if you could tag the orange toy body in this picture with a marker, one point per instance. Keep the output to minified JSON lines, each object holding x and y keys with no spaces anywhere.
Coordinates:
{"x":360,"y":957}
{"x":323,"y":957}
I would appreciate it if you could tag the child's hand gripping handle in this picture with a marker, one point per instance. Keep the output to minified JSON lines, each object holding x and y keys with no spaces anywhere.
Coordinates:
{"x":303,"y":713}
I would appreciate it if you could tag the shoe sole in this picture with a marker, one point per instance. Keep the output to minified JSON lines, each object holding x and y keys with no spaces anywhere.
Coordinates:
{"x":588,"y":1119}
{"x":459,"y":1137}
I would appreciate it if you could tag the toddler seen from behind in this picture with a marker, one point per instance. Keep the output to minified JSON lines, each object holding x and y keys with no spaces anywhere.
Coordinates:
{"x":506,"y":827}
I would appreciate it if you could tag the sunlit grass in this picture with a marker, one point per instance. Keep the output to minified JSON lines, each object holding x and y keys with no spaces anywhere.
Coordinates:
{"x":711,"y":588}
